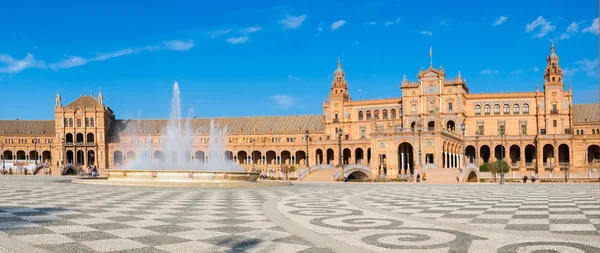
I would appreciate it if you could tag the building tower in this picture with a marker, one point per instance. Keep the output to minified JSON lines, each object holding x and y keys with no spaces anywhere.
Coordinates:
{"x":339,"y":87}
{"x":556,"y":101}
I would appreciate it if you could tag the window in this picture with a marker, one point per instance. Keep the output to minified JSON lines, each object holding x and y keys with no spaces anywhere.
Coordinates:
{"x":92,"y":122}
{"x":393,"y":113}
{"x":384,"y":114}
{"x":515,"y":109}
{"x":346,"y":137}
{"x":486,"y":109}
{"x":431,"y":107}
{"x":480,"y":129}
{"x":450,"y":106}
{"x":376,"y":114}
{"x":78,"y":122}
{"x":554,"y":109}
{"x":496,"y":109}
{"x":523,"y":129}
{"x":66,"y":123}
{"x":71,"y":122}
{"x":525,"y":109}
{"x":413,"y":108}
{"x":368,"y":115}
{"x":360,"y":115}
{"x":506,"y":109}
{"x":554,"y":123}
{"x":477,"y":110}
{"x":87,"y":122}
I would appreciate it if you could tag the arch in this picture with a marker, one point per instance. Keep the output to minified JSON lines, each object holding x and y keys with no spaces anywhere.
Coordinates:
{"x":300,"y":157}
{"x":21,"y":155}
{"x":384,"y":114}
{"x":484,"y":152}
{"x":130,"y":155}
{"x":548,"y":155}
{"x":516,"y":109}
{"x":347,"y":155}
{"x":270,"y":157}
{"x":431,"y":125}
{"x":406,"y":158}
{"x":357,"y":176}
{"x":376,"y":114}
{"x":330,"y":156}
{"x":358,"y":156}
{"x":486,"y":109}
{"x":70,"y":156}
{"x":593,"y":154}
{"x":353,"y":168}
{"x":412,"y":126}
{"x":158,"y":155}
{"x":470,"y":152}
{"x":472,"y":176}
{"x":563,"y":154}
{"x":530,"y":155}
{"x":46,"y":156}
{"x":593,"y":131}
{"x":79,"y":138}
{"x":368,"y":115}
{"x":69,"y":169}
{"x":80,"y":157}
{"x":496,"y":109}
{"x":91,"y":157}
{"x":69,"y":138}
{"x":500,"y":152}
{"x":319,"y":156}
{"x":242,"y":157}
{"x":514,"y":154}
{"x":34,"y":155}
{"x":40,"y":167}
{"x":90,"y":138}
{"x":393,"y":113}
{"x":525,"y":108}
{"x":477,"y":109}
{"x":450,"y":125}
{"x":7,"y":155}
{"x":227,"y":156}
{"x":118,"y":157}
{"x":286,"y":157}
{"x":256,"y":155}
{"x":199,"y":157}
{"x":506,"y":108}
{"x":360,"y":115}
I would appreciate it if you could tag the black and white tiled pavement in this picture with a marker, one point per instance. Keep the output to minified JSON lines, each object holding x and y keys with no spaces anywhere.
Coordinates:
{"x":55,"y":215}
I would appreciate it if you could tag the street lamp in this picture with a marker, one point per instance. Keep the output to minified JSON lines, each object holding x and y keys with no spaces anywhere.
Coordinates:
{"x":463,"y":128}
{"x":502,"y":155}
{"x":419,"y":128}
{"x":2,"y":154}
{"x":62,"y":140}
{"x":35,"y":149}
{"x":476,"y":147}
{"x":340,"y":151}
{"x":306,"y":135}
{"x":252,"y":154}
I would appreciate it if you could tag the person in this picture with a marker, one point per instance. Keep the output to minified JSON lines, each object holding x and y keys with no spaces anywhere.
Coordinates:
{"x":533,"y":179}
{"x":525,"y":179}
{"x":418,"y":178}
{"x":94,"y":172}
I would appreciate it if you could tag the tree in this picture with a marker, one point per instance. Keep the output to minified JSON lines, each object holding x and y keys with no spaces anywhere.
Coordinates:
{"x":285,"y":168}
{"x":498,"y":167}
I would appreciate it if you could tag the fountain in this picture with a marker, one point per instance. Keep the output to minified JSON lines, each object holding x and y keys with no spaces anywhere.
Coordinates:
{"x":178,"y":167}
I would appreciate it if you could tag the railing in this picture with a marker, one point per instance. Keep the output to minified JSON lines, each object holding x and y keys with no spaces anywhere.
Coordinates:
{"x":303,"y":174}
{"x":337,"y":174}
{"x":513,"y":165}
{"x":563,"y":164}
{"x":528,"y":164}
{"x":548,"y":165}
{"x":553,"y":111}
{"x":430,"y":129}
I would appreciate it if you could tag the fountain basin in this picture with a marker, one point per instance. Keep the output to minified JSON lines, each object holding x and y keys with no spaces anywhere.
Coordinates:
{"x":181,"y":178}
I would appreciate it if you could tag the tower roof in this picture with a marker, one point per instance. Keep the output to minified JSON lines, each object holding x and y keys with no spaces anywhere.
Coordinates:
{"x":339,"y":66}
{"x":552,"y":55}
{"x":84,"y":101}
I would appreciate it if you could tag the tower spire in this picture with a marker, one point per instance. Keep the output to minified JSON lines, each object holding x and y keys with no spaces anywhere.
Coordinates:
{"x":339,"y":61}
{"x":430,"y":56}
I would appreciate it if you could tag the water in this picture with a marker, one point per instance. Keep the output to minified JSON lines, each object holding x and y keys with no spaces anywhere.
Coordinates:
{"x":177,"y":151}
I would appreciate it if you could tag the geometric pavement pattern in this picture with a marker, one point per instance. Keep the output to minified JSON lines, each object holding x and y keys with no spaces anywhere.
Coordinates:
{"x":561,"y":209}
{"x":55,"y":215}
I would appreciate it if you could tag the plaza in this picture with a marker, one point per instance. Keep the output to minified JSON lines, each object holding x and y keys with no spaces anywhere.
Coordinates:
{"x":50,"y":214}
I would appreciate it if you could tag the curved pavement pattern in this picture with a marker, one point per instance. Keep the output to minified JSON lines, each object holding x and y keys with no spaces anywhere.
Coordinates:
{"x":40,"y":214}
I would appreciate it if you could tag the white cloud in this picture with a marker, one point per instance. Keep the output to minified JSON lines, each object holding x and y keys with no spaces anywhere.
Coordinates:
{"x":237,"y":40}
{"x":545,"y":27}
{"x":337,"y":24}
{"x":217,"y":33}
{"x":283,"y":101}
{"x":489,"y":72}
{"x":12,"y":65}
{"x":291,"y":77}
{"x":392,"y":22}
{"x":178,"y":45}
{"x":371,"y":23}
{"x":106,"y":56}
{"x":516,"y":71}
{"x":570,"y":71}
{"x":572,"y":29}
{"x":320,"y":27}
{"x":292,"y":22}
{"x":536,"y":69}
{"x":69,"y":62}
{"x":593,"y":28}
{"x":587,"y":66}
{"x":429,"y":33}
{"x":500,"y":20}
{"x":251,"y":29}
{"x":444,"y":22}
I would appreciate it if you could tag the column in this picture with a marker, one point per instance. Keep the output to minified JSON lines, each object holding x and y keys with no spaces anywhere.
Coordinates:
{"x":522,"y":162}
{"x":555,"y":167}
{"x":402,"y":161}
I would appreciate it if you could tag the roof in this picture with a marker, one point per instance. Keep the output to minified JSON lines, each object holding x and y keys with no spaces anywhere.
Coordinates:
{"x":24,"y":126}
{"x":84,"y":101}
{"x":234,"y":124}
{"x":589,"y":111}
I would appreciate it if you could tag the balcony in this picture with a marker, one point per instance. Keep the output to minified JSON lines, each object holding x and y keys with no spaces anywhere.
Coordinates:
{"x":553,"y":111}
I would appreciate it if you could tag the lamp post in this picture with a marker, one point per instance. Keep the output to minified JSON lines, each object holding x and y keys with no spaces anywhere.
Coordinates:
{"x":2,"y":154}
{"x":62,"y":140}
{"x":35,"y":149}
{"x":306,"y":135}
{"x":419,"y":128}
{"x":340,"y":152}
{"x":502,"y":155}
{"x":463,"y":128}
{"x":252,"y":154}
{"x":476,"y":147}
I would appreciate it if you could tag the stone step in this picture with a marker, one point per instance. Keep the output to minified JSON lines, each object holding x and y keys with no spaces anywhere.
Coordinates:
{"x":321,"y":175}
{"x":439,"y":175}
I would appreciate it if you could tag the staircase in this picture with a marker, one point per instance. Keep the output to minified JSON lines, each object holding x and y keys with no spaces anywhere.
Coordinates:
{"x":439,"y":175}
{"x":320,"y":175}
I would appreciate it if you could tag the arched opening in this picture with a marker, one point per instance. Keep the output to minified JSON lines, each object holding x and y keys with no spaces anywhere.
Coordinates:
{"x":91,"y":158}
{"x":271,"y":157}
{"x":484,"y":151}
{"x":46,"y":157}
{"x":69,"y":170}
{"x":330,"y":156}
{"x":412,"y":126}
{"x":450,"y":125}
{"x":368,"y":156}
{"x":346,"y":156}
{"x":80,"y":157}
{"x":405,"y":158}
{"x":376,"y":114}
{"x":90,"y":138}
{"x":357,"y":176}
{"x":563,"y":155}
{"x":285,"y":157}
{"x":242,"y":157}
{"x":384,"y":114}
{"x":470,"y":151}
{"x":472,"y":177}
{"x":393,"y":113}
{"x":130,"y":155}
{"x":500,"y":152}
{"x":158,"y":155}
{"x":145,"y":155}
{"x":79,"y":138}
{"x":530,"y":155}
{"x":21,"y":155}
{"x":70,"y":156}
{"x":360,"y":115}
{"x":118,"y":157}
{"x":368,"y":115}
{"x":7,"y":155}
{"x":431,"y":125}
{"x":199,"y":157}
{"x":358,"y":156}
{"x":256,"y":155}
{"x":300,"y":157}
{"x":318,"y":156}
{"x":593,"y":154}
{"x":69,"y":138}
{"x":515,"y":155}
{"x":227,"y":156}
{"x":34,"y":155}
{"x":548,"y":155}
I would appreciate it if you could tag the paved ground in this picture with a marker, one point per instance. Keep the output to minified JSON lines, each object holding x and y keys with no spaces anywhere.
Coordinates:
{"x":52,"y":215}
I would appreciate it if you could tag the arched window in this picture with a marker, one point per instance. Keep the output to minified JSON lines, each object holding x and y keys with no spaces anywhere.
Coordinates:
{"x":525,"y":108}
{"x":360,"y":115}
{"x":506,"y":109}
{"x":477,"y":110}
{"x":393,"y":113}
{"x":486,"y":109}
{"x":593,"y":131}
{"x":496,"y":109}
{"x":515,"y":109}
{"x":384,"y":114}
{"x":368,"y":115}
{"x":92,"y":122}
{"x":87,"y":122}
{"x":66,"y":123}
{"x":376,"y":114}
{"x":71,"y":122}
{"x":431,"y":107}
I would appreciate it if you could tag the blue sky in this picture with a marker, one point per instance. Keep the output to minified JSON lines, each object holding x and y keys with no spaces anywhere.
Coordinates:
{"x":239,"y":58}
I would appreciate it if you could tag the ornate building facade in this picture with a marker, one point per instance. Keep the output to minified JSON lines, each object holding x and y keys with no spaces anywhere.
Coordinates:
{"x":436,"y":123}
